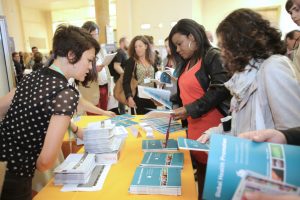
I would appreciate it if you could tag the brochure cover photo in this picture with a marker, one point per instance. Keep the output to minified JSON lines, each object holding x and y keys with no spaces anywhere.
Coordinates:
{"x":230,"y":157}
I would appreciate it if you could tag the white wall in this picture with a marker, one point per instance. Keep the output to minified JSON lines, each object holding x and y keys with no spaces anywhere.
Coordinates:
{"x":214,"y":12}
{"x":34,"y":25}
{"x":11,"y":10}
{"x":1,"y":6}
{"x":133,"y":13}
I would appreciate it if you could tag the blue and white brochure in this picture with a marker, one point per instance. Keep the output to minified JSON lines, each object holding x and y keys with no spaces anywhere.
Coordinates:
{"x":189,"y":144}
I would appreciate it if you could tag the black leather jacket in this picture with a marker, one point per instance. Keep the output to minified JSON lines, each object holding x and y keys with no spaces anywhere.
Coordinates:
{"x":208,"y":77}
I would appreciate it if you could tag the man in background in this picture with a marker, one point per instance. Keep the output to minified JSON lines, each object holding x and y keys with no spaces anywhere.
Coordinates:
{"x":116,"y":69}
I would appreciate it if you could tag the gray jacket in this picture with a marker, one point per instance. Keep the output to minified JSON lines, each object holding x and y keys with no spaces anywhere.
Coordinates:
{"x":272,"y":101}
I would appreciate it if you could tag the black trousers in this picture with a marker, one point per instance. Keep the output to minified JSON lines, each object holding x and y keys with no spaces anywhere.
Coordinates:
{"x":16,"y":188}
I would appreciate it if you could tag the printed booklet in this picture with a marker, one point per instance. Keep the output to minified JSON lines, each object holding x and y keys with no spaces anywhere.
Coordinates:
{"x":158,"y":145}
{"x":157,"y":159}
{"x":149,"y":180}
{"x":189,"y":144}
{"x":231,"y":157}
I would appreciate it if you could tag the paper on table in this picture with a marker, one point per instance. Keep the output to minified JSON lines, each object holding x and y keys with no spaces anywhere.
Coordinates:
{"x":108,"y":58}
{"x":95,"y":182}
{"x":159,"y":113}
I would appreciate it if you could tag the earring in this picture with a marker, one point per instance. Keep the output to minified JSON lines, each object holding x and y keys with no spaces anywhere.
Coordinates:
{"x":190,"y":45}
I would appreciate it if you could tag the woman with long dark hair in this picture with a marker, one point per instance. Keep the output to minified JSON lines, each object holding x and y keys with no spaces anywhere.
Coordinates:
{"x":139,"y":65}
{"x":199,"y":67}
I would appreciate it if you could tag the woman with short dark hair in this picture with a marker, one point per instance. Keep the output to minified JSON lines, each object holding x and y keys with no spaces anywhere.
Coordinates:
{"x":37,"y":114}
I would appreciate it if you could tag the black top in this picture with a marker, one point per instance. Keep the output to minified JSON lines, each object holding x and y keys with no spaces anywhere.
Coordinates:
{"x":120,"y":57}
{"x":292,"y":136}
{"x":40,"y":95}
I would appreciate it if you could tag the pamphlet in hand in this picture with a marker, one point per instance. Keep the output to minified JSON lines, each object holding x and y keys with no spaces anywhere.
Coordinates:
{"x":229,"y":158}
{"x":254,"y":182}
{"x":108,"y":58}
{"x":189,"y":144}
{"x":160,"y":95}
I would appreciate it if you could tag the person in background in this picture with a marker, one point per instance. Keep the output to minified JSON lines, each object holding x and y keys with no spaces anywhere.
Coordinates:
{"x":39,"y":111}
{"x":139,"y":65}
{"x":190,"y":46}
{"x":157,"y":58}
{"x":29,"y":65}
{"x":26,"y":59}
{"x":38,"y":58}
{"x":94,"y":90}
{"x":115,"y":67}
{"x":292,"y":42}
{"x":18,"y":67}
{"x":168,"y":61}
{"x":265,"y":89}
{"x":294,"y":10}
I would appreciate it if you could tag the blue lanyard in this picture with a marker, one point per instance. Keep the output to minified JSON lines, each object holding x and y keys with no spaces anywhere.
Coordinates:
{"x":56,"y":69}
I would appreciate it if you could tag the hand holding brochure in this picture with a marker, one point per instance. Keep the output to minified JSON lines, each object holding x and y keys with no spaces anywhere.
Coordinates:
{"x":230,"y":157}
{"x":160,"y":95}
{"x":194,"y":145}
{"x":108,"y":58}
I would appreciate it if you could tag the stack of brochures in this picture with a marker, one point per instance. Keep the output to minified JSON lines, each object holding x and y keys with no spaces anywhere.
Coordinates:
{"x":159,"y":145}
{"x":159,"y":180}
{"x":102,"y":137}
{"x":159,"y":159}
{"x":76,"y":169}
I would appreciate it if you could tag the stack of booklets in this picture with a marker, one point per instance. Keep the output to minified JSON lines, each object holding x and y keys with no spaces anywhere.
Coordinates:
{"x":101,"y":138}
{"x":156,"y":180}
{"x":159,"y":159}
{"x":76,"y":169}
{"x":159,"y":145}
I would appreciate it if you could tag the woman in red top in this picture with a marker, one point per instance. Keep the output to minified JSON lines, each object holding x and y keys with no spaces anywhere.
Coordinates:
{"x":197,"y":101}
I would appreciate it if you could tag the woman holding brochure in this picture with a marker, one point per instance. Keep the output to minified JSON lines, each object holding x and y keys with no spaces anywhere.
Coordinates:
{"x":139,"y":66}
{"x":37,"y":114}
{"x":190,"y":46}
{"x":266,"y":93}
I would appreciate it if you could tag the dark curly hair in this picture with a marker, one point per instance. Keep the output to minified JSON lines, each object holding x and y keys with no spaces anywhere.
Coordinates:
{"x":244,"y":35}
{"x":131,"y":50}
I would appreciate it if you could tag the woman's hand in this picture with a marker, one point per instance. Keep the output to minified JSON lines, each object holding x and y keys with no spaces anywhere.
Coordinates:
{"x":80,"y":133}
{"x":204,"y":138}
{"x":109,"y":113}
{"x":130,"y":102}
{"x":180,"y":113}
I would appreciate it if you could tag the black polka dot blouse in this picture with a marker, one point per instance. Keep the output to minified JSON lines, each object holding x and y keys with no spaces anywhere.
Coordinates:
{"x":40,"y":95}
